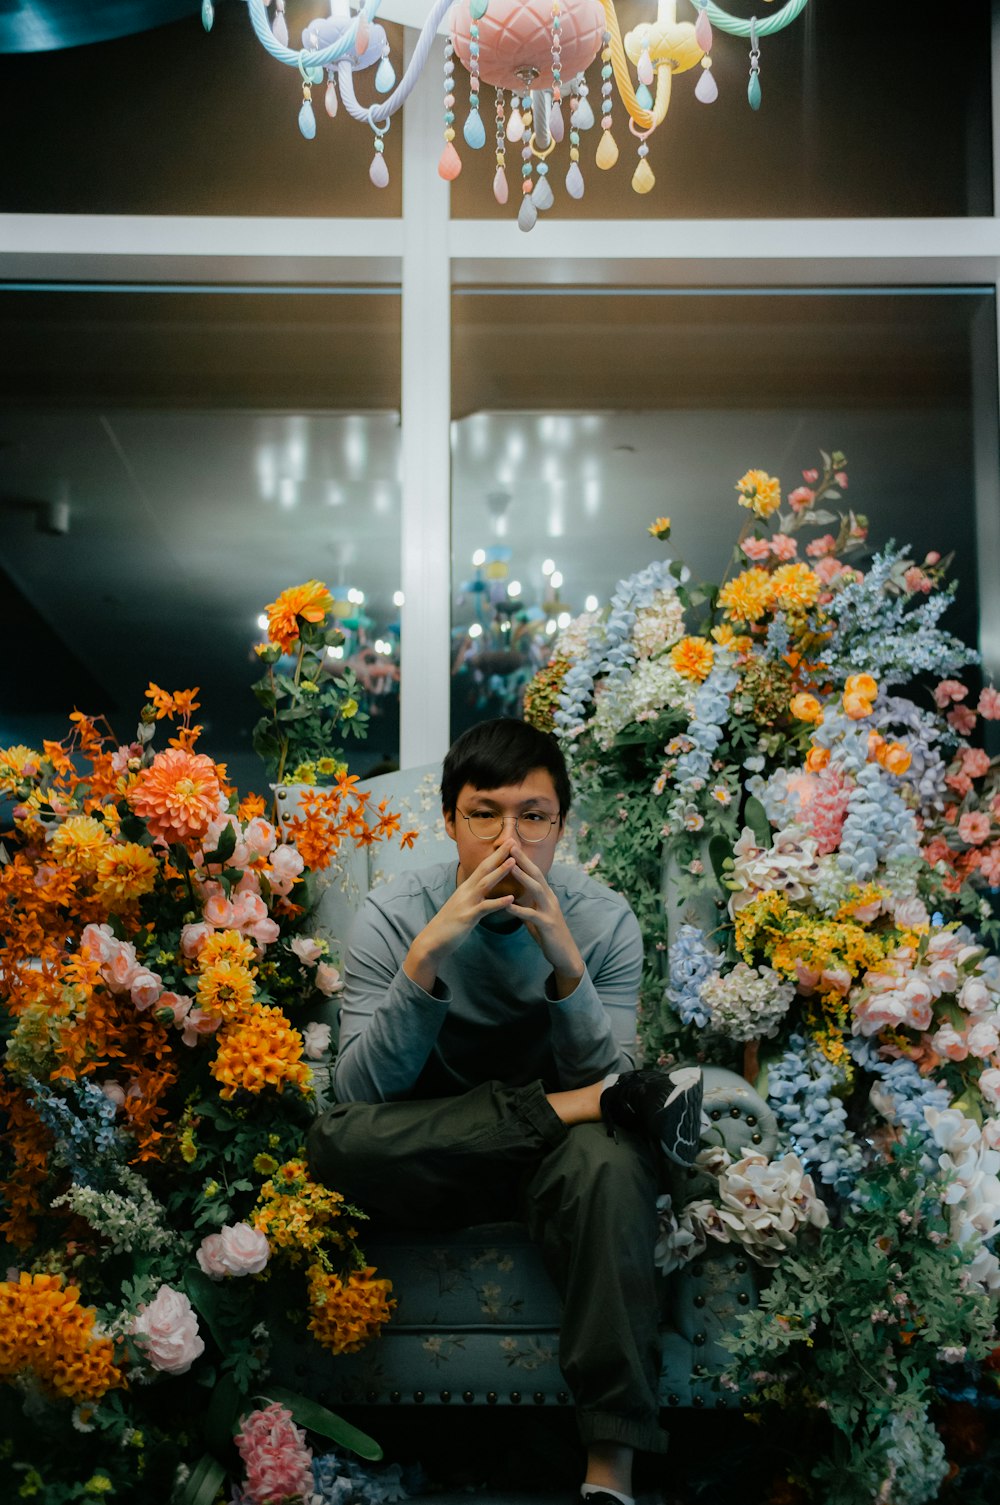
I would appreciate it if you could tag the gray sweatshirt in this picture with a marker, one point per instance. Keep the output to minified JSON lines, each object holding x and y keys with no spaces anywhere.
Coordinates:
{"x":493,"y":1015}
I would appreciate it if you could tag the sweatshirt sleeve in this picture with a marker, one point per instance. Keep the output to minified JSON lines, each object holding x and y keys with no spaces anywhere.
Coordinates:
{"x":594,"y":1029}
{"x":388,"y":1025}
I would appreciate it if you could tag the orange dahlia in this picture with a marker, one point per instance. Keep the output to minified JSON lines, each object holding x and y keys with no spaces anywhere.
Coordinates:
{"x":225,"y":989}
{"x":692,"y":657}
{"x":795,"y":587}
{"x":178,"y":795}
{"x":311,"y":602}
{"x":749,"y":597}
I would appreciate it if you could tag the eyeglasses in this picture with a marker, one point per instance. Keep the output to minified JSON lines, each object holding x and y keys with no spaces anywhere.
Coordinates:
{"x":531,"y":827}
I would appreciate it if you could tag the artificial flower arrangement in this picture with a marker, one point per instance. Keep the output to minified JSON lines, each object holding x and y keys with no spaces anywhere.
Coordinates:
{"x":305,"y":705}
{"x":778,"y":772}
{"x":160,"y":985}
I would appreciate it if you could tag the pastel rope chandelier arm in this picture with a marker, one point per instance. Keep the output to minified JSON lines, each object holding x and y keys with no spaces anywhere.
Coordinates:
{"x":293,"y":56}
{"x":766,"y":26}
{"x":646,"y":120}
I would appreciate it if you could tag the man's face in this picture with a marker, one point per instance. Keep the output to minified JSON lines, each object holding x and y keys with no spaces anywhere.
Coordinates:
{"x":534,"y":801}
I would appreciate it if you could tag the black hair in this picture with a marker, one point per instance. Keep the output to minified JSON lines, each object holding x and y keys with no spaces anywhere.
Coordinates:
{"x":498,"y":753}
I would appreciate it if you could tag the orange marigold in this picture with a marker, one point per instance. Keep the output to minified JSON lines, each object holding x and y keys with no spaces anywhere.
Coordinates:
{"x":261,"y":1050}
{"x":123,"y":873}
{"x":311,"y":602}
{"x":692,"y":657}
{"x":347,"y":1315}
{"x":44,"y":1330}
{"x":749,"y":597}
{"x":795,"y":587}
{"x":178,"y":795}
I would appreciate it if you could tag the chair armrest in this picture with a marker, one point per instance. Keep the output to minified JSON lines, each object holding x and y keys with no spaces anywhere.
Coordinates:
{"x":737,"y":1116}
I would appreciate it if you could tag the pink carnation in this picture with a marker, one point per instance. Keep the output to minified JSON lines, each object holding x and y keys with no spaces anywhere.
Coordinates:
{"x":974,"y":827}
{"x":277,"y":1461}
{"x":810,"y":476}
{"x":962,"y":719}
{"x":989,"y":865}
{"x":840,"y":476}
{"x":756,"y":549}
{"x":915,"y":580}
{"x":783,"y":547}
{"x":949,"y":690}
{"x":821,"y":546}
{"x":989,"y":704}
{"x":828,"y":568}
{"x":802,"y":498}
{"x":975,"y":762}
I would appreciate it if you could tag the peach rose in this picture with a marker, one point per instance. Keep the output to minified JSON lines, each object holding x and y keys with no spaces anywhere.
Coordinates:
{"x":328,"y":979}
{"x":193,"y":937}
{"x":145,"y":988}
{"x":806,"y":708}
{"x":307,"y":950}
{"x":236,"y":1249}
{"x":260,"y":837}
{"x":219,"y":912}
{"x":989,"y":1086}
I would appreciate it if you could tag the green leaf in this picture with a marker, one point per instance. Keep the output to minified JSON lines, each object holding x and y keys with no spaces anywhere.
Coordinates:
{"x":265,"y":694}
{"x":226,"y":847}
{"x":223,"y":1413}
{"x":756,"y":818}
{"x":203,"y":1482}
{"x":309,"y":1413}
{"x":204,"y":1296}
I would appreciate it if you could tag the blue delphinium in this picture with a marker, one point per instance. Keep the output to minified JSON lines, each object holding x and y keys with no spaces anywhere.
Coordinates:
{"x":691,"y":964}
{"x":802,"y":1088}
{"x":880,"y":632}
{"x":708,"y":718}
{"x":910,"y":1092}
{"x":86,"y":1141}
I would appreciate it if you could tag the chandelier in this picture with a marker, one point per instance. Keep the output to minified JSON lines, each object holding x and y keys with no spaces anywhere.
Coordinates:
{"x":534,"y":55}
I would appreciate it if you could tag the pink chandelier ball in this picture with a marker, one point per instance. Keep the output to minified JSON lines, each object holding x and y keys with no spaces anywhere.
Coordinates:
{"x":517,"y":34}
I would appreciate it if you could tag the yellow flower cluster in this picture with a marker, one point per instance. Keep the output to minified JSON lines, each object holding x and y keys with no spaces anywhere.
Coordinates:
{"x":347,"y":1315}
{"x":296,"y":1213}
{"x":17,"y":763}
{"x":123,"y":872}
{"x":227,"y":945}
{"x":44,"y":1329}
{"x":79,"y":842}
{"x":795,"y":587}
{"x":748,"y":596}
{"x":760,"y":492}
{"x":257,"y":1051}
{"x":832,"y":952}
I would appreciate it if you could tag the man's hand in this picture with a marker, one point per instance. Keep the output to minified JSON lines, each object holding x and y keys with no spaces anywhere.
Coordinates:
{"x":538,"y":907}
{"x":459,"y":916}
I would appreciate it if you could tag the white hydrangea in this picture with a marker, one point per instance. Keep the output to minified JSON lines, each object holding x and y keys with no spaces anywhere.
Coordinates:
{"x":746,"y":1003}
{"x":659,"y":625}
{"x":763,"y":1205}
{"x":653,"y":685}
{"x":970,"y":1163}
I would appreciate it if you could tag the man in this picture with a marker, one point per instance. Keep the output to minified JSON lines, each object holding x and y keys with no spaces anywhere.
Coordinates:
{"x":483,"y":1072}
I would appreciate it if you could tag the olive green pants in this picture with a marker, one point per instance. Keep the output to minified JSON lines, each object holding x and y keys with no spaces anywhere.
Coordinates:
{"x":589,"y":1202}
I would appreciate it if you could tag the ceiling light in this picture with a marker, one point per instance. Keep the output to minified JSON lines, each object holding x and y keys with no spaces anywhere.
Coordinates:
{"x":514,"y":588}
{"x":475,"y":630}
{"x":262,"y":621}
{"x":548,"y":565}
{"x":397,"y":598}
{"x":479,"y":557}
{"x":556,"y":579}
{"x":591,"y":603}
{"x":564,"y":619}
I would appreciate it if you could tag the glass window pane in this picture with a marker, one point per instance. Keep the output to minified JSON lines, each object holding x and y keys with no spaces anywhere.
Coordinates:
{"x":562,"y":460}
{"x":142,"y":541}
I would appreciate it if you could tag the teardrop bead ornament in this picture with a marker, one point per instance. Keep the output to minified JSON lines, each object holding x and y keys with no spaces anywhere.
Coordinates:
{"x":542,"y":196}
{"x":515,"y":125}
{"x":557,"y":125}
{"x":207,"y":14}
{"x":330,"y":101}
{"x":583,"y":116}
{"x":500,"y":189}
{"x":703,"y":31}
{"x":385,"y":77}
{"x":643,"y":98}
{"x":607,"y":152}
{"x":706,"y":89}
{"x":527,"y":214}
{"x":362,"y":38}
{"x":307,"y":121}
{"x":279,"y":29}
{"x":574,"y":181}
{"x":474,"y":131}
{"x":379,"y":172}
{"x":646,"y":68}
{"x":753,"y":91}
{"x":449,"y":163}
{"x":477,"y":9}
{"x":642,"y":178}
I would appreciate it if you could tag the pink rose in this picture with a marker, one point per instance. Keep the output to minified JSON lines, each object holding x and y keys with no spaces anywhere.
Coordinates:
{"x":783,"y":547}
{"x":170,"y":1329}
{"x":173,"y":1008}
{"x":989,"y":1086}
{"x":197,"y":1023}
{"x":260,"y":836}
{"x":828,"y":568}
{"x":757,"y":549}
{"x":219,"y":912}
{"x":983,"y":1039}
{"x":802,"y":498}
{"x":307,"y":950}
{"x":265,"y":932}
{"x":949,"y":690}
{"x":145,"y":988}
{"x":248,"y":910}
{"x":240,"y":856}
{"x":810,"y":477}
{"x":114,"y":1092}
{"x":99,"y":940}
{"x":944,"y":975}
{"x":989,"y":866}
{"x":837,"y":978}
{"x":975,"y":996}
{"x":209,"y":1255}
{"x":989,"y":704}
{"x":821,"y":546}
{"x":962,"y":719}
{"x":286,"y":865}
{"x":316,"y":1040}
{"x":974,"y":827}
{"x":840,"y":476}
{"x":249,"y":882}
{"x":236,"y":1249}
{"x":873,"y":1014}
{"x":120,"y":968}
{"x":328,"y":979}
{"x":193,"y":937}
{"x":949,"y":1043}
{"x":910,"y":913}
